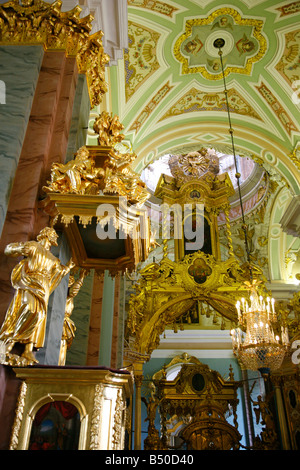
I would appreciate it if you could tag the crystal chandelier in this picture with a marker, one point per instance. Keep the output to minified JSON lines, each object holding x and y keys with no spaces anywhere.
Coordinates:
{"x":254,"y":341}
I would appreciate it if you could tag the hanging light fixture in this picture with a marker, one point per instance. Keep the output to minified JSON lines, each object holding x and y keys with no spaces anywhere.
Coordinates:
{"x":254,"y":341}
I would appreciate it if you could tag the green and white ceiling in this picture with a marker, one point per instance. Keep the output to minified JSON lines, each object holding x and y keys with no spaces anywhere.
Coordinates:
{"x":168,"y":90}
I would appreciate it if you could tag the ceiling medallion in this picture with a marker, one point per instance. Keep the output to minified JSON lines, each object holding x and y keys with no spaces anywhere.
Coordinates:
{"x":243,"y":45}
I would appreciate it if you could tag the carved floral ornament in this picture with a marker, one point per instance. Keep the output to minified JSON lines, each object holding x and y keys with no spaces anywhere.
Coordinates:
{"x":35,"y":22}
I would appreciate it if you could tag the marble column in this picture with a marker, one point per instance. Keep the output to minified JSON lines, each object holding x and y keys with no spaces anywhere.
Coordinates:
{"x":77,"y":354}
{"x":80,"y":118}
{"x":49,"y":354}
{"x":115,"y":331}
{"x":95,"y":322}
{"x":45,"y":141}
{"x":121,"y":322}
{"x":247,"y":398}
{"x":20,"y":68}
{"x":107,"y":320}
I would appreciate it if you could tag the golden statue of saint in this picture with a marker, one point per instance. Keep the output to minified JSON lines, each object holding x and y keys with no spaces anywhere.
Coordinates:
{"x":34,"y":278}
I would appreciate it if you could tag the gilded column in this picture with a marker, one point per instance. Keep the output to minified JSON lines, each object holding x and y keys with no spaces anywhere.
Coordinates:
{"x":281,"y":416}
{"x":138,"y":411}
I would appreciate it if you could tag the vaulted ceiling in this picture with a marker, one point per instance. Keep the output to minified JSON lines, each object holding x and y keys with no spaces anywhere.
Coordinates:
{"x":168,"y":90}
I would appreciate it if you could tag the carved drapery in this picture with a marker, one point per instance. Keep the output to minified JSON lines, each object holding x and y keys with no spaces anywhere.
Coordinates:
{"x":168,"y":289}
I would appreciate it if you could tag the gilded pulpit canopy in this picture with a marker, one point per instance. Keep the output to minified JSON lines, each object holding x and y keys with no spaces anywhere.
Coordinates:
{"x":99,"y":198}
{"x":34,"y":278}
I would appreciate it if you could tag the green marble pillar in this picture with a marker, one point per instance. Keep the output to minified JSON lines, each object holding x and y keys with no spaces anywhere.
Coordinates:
{"x":107,"y":320}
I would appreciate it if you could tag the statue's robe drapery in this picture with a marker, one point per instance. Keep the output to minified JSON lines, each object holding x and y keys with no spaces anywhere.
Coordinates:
{"x":34,"y":278}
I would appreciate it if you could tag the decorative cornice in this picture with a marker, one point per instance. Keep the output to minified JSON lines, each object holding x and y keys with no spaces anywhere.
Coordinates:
{"x":35,"y":22}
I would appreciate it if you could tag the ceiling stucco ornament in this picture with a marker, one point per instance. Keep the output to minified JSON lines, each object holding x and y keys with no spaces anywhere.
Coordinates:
{"x":244,"y":44}
{"x":140,"y":57}
{"x":197,"y":100}
{"x":155,"y":5}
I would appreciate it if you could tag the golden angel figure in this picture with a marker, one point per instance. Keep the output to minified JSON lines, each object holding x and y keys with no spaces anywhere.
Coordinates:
{"x":34,"y":278}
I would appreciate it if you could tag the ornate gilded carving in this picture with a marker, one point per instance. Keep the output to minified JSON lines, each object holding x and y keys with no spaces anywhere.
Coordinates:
{"x":108,"y":128}
{"x":88,"y":389}
{"x":98,"y":188}
{"x":112,"y":175}
{"x":77,"y":176}
{"x":19,"y":414}
{"x":199,"y":399}
{"x":168,"y":289}
{"x":193,"y":165}
{"x":268,"y":439}
{"x":34,"y":278}
{"x":118,"y":427}
{"x":37,"y":22}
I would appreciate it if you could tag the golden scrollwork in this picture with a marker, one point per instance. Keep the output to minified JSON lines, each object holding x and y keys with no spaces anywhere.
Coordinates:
{"x":91,"y":391}
{"x":168,"y":289}
{"x":34,"y":278}
{"x":96,"y":416}
{"x":37,"y":22}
